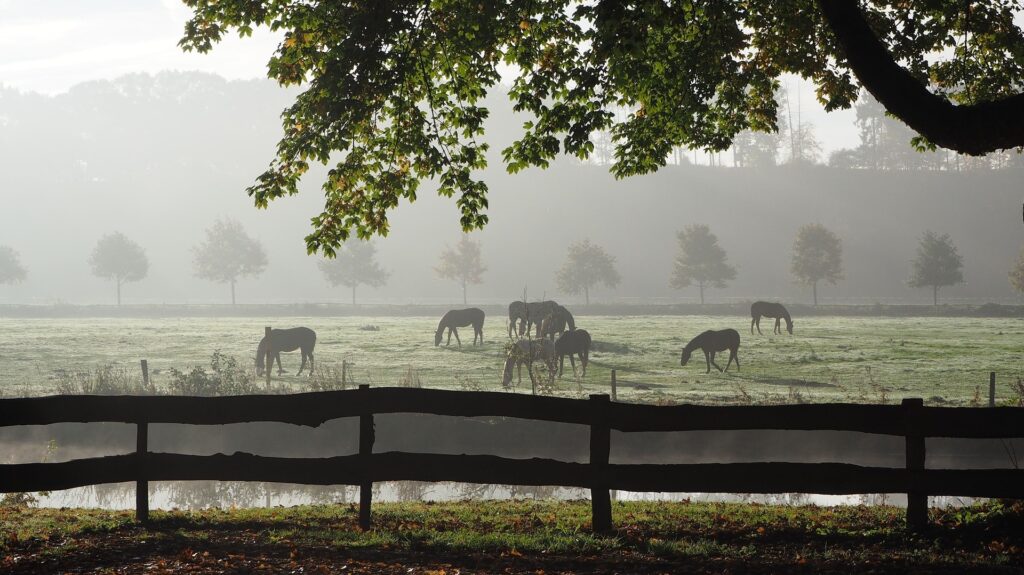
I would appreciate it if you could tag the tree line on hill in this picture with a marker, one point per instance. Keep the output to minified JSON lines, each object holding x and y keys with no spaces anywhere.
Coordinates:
{"x":228,"y":254}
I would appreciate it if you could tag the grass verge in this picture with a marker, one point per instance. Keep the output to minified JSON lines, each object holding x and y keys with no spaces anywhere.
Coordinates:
{"x":515,"y":537}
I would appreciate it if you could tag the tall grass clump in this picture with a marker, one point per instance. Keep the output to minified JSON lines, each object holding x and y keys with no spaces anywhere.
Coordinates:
{"x":224,"y":378}
{"x":108,"y":379}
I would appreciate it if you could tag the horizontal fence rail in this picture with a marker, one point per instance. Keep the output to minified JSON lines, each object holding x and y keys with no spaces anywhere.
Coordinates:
{"x":911,"y":420}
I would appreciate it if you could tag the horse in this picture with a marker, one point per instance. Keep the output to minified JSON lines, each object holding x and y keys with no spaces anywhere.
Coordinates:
{"x":301,"y":338}
{"x":576,"y":341}
{"x":516,"y":314}
{"x":556,"y":322}
{"x":527,"y":351}
{"x":711,"y":342}
{"x":461,"y":318}
{"x":769,"y":309}
{"x":536,"y":311}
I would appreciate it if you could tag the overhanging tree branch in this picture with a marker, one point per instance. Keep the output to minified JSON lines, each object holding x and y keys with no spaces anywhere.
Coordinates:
{"x":974,"y":129}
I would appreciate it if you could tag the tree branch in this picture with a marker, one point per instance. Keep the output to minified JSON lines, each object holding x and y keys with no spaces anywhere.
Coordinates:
{"x":970,"y":129}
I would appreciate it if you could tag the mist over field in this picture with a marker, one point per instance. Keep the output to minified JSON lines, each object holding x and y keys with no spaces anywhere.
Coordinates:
{"x":160,"y":158}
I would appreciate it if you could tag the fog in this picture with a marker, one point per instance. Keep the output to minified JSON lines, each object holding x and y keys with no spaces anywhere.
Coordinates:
{"x":160,"y":158}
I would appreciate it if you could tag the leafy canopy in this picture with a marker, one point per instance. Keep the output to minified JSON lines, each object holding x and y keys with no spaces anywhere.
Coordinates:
{"x":817,"y":255}
{"x":11,"y":270}
{"x":228,"y":253}
{"x":700,"y":259}
{"x":119,"y":258}
{"x":393,"y":90}
{"x":937,"y":263}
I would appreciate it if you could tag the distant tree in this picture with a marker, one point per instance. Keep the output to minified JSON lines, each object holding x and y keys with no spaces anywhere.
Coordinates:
{"x":118,"y":258}
{"x":228,"y":254}
{"x":1017,"y":273}
{"x":937,"y":264}
{"x":355,"y":264}
{"x":462,"y":264}
{"x":585,"y":266}
{"x":11,"y":270}
{"x":700,"y":260}
{"x":817,"y":256}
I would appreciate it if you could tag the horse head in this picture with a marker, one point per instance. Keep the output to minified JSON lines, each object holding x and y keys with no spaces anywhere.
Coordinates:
{"x":259,"y":364}
{"x":437,"y":336}
{"x":685,"y":357}
{"x":789,"y":326}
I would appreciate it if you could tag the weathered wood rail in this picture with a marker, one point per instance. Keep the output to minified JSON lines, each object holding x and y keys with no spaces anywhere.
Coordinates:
{"x":910,"y":420}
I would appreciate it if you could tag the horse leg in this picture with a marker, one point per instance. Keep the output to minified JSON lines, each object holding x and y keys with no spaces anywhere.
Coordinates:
{"x":707,"y":360}
{"x":572,"y":362}
{"x":561,"y":363}
{"x":752,"y":320}
{"x":457,"y":340}
{"x":280,"y":370}
{"x":449,"y":342}
{"x":735,"y":354}
{"x":759,"y":325}
{"x":310,"y":363}
{"x":584,"y":359}
{"x":303,"y":365}
{"x":777,"y":329}
{"x":713,"y":362}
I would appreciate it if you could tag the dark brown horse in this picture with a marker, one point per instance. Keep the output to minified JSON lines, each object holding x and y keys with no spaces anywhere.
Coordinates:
{"x":770,"y":309}
{"x":461,"y":318}
{"x":577,"y":342}
{"x":556,"y":322}
{"x":301,"y":338}
{"x":711,"y":342}
{"x":528,"y":351}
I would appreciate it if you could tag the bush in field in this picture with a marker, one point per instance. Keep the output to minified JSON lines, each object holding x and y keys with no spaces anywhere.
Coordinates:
{"x":224,"y":378}
{"x":108,"y":379}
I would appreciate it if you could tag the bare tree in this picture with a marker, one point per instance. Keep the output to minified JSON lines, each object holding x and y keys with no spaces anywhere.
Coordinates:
{"x":118,"y":258}
{"x":462,"y":264}
{"x":937,"y":264}
{"x":11,"y":270}
{"x":585,"y":266}
{"x":354,"y":265}
{"x":228,"y":254}
{"x":700,"y":260}
{"x":817,"y":256}
{"x":1017,"y":273}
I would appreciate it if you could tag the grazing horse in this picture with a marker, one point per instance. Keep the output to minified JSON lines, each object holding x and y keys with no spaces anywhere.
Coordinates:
{"x":769,"y":309}
{"x":516,"y":314}
{"x":461,"y":318}
{"x":711,"y":342}
{"x":301,"y":338}
{"x":527,"y":351}
{"x":576,"y":341}
{"x":536,"y":311}
{"x":556,"y":322}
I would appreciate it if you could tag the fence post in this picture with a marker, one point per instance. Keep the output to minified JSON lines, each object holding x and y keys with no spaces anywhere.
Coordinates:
{"x":917,"y":502}
{"x":991,"y":389}
{"x":600,"y":447}
{"x":270,"y":355}
{"x":366,"y":437}
{"x":141,"y":483}
{"x":145,"y":372}
{"x":613,"y":386}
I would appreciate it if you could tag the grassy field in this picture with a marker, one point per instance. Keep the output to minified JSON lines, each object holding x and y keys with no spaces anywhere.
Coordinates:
{"x":514,"y":537}
{"x":861,"y":359}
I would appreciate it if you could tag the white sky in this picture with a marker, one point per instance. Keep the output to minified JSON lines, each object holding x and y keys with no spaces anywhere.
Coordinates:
{"x":48,"y":46}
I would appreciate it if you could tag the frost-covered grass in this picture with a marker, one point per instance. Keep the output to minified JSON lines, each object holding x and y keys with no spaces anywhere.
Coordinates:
{"x":874,"y":359}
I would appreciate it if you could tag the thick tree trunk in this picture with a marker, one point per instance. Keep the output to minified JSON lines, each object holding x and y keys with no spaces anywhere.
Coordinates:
{"x":971,"y":129}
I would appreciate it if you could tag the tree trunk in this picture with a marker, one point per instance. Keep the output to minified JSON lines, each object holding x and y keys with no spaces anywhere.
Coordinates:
{"x":118,"y":281}
{"x":815,"y":289}
{"x":232,"y":292}
{"x":353,"y":294}
{"x":463,"y":292}
{"x":935,"y":295}
{"x":701,"y":284}
{"x":586,"y":294}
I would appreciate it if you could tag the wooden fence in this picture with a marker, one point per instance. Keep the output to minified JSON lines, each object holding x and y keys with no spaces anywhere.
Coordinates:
{"x":910,"y":420}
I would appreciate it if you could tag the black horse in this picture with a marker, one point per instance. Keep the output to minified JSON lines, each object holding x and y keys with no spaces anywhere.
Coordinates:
{"x":529,"y":351}
{"x":769,"y":309}
{"x":527,"y":315}
{"x":711,"y":342}
{"x":556,"y":322}
{"x":577,"y":342}
{"x":301,"y":338}
{"x":516,"y":315}
{"x":461,"y":318}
